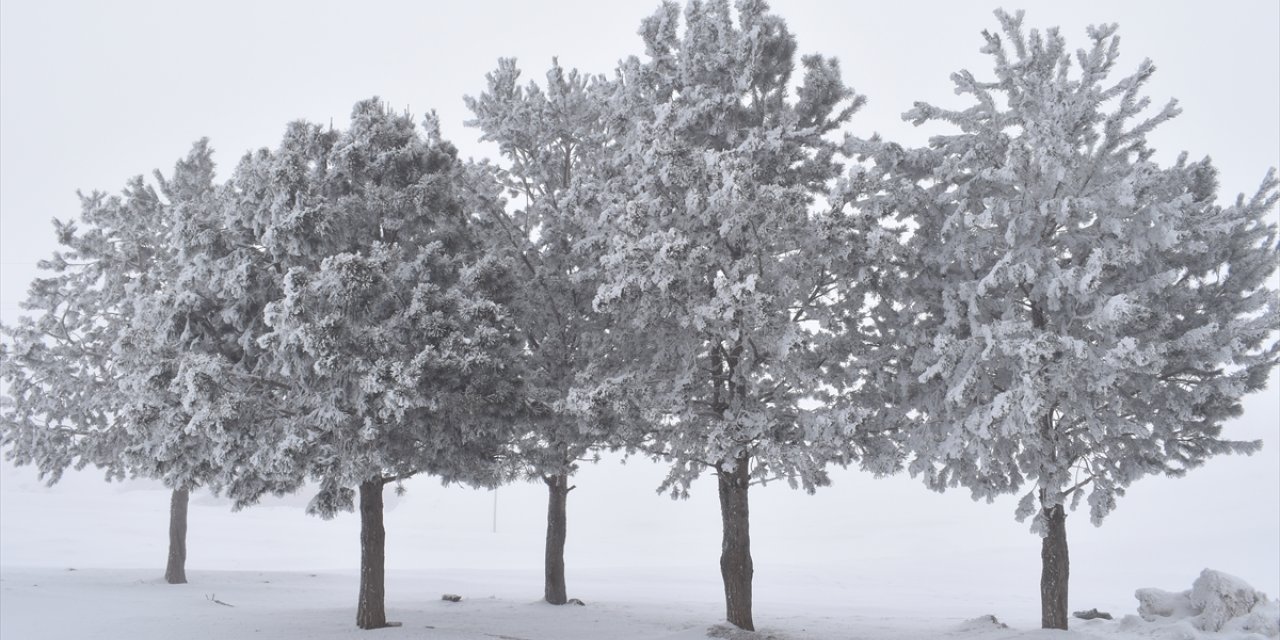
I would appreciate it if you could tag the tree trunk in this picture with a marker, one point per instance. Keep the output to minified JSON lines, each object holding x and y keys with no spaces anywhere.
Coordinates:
{"x":557,"y":497}
{"x":735,"y":553}
{"x":371,"y":612}
{"x":1054,"y":570}
{"x":175,"y":571}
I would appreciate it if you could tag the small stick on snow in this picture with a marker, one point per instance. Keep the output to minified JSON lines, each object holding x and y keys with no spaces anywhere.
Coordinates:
{"x":214,"y":599}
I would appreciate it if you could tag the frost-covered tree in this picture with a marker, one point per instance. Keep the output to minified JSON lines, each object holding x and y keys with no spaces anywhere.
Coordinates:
{"x":553,"y":139}
{"x":86,"y":385}
{"x":725,"y":261}
{"x":201,"y":370}
{"x":391,"y":335}
{"x":1081,"y":316}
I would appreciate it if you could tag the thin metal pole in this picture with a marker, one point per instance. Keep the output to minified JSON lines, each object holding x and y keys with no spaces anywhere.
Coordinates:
{"x":495,"y":510}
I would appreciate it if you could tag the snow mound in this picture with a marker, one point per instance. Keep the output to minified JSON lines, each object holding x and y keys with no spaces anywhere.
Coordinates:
{"x":1158,"y":603}
{"x":1218,"y":606}
{"x":730,"y":632}
{"x":980,"y":623}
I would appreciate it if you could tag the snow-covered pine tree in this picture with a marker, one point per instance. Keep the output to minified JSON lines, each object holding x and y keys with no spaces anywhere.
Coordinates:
{"x":725,"y":259}
{"x":195,"y":338}
{"x":1082,"y":316}
{"x":86,"y":387}
{"x":161,"y":444}
{"x":391,"y":335}
{"x":553,"y":139}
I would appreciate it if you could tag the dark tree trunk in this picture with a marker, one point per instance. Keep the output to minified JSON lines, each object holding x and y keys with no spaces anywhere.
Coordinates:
{"x":371,"y":612}
{"x":175,"y":571}
{"x":557,"y":497}
{"x":1054,"y":570}
{"x":735,"y":553}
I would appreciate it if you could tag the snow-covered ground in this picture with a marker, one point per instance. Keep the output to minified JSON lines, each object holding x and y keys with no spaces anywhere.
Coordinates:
{"x":632,"y":604}
{"x":863,"y":559}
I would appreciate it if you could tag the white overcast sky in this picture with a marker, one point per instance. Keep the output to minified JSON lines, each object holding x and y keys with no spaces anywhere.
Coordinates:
{"x":92,"y":93}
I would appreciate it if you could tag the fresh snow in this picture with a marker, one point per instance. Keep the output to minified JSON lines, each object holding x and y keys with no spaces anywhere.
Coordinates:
{"x":58,"y":604}
{"x":867,"y":559}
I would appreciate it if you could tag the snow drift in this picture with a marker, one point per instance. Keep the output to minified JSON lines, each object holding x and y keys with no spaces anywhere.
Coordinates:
{"x":1218,"y":605}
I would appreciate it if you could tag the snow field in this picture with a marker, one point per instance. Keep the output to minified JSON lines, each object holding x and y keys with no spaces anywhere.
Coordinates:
{"x":865,"y":559}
